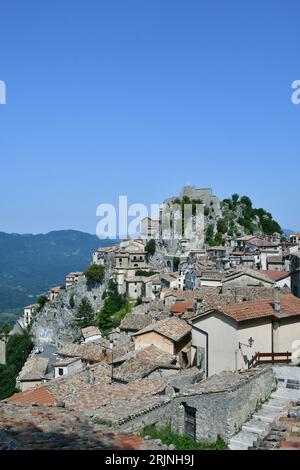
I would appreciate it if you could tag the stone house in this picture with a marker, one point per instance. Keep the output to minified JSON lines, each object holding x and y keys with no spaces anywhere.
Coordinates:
{"x":32,"y":373}
{"x":29,"y":313}
{"x":134,"y":286}
{"x":212,"y":278}
{"x":181,"y":308}
{"x":149,"y":228}
{"x":228,"y":337}
{"x":89,"y":353}
{"x":275,"y":262}
{"x":90,"y":333}
{"x":72,"y":278}
{"x":246,"y":278}
{"x":53,"y":293}
{"x":171,"y":335}
{"x":219,"y":255}
{"x":151,"y":287}
{"x":295,"y":238}
{"x":105,"y":255}
{"x":133,"y":322}
{"x":150,"y":362}
{"x":216,"y":407}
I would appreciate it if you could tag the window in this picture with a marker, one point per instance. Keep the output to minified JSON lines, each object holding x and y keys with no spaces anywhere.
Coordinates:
{"x":60,"y":371}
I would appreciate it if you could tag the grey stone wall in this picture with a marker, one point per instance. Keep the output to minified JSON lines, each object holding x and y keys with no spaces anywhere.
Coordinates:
{"x":159,"y":416}
{"x":221,"y":414}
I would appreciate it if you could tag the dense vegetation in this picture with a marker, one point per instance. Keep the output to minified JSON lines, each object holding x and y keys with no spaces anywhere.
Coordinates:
{"x":85,"y":315}
{"x":240,"y":217}
{"x":151,"y":247}
{"x":240,"y":209}
{"x":180,"y":442}
{"x":140,"y":272}
{"x":95,"y":274}
{"x":17,"y":350}
{"x":31,"y":264}
{"x":114,"y":308}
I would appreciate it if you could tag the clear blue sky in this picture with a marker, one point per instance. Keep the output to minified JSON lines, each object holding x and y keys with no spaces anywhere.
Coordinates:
{"x":138,"y":97}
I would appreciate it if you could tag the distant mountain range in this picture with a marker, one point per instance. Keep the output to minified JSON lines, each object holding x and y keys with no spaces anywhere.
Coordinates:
{"x":288,"y":231}
{"x":31,"y":264}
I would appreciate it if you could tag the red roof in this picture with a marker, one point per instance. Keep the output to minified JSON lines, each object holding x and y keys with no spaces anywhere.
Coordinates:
{"x":181,"y":307}
{"x":290,"y":307}
{"x":39,"y":395}
{"x":275,"y":274}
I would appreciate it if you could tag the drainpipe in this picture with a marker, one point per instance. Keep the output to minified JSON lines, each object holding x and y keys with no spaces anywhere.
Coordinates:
{"x":206,"y":346}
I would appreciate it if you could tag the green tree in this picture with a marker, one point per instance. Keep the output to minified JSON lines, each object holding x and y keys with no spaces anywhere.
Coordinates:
{"x":141,"y":272}
{"x":85,"y":315}
{"x":151,"y":247}
{"x":18,"y":349}
{"x":95,"y":274}
{"x":176,"y":262}
{"x":72,"y":301}
{"x":113,"y":303}
{"x":222,"y":226}
{"x":246,"y":201}
{"x":235,"y":197}
{"x":5,"y":329}
{"x":41,"y":300}
{"x":218,"y":238}
{"x":209,"y":233}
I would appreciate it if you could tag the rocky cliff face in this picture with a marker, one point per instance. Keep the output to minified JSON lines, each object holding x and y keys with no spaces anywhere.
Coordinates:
{"x":54,"y":324}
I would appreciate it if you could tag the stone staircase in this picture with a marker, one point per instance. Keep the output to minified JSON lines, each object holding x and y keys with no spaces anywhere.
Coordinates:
{"x":288,"y":390}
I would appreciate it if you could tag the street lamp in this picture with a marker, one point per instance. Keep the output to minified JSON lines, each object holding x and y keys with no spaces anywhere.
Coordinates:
{"x":249,"y":345}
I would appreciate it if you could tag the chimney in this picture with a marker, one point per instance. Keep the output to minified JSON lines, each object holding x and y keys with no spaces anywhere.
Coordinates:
{"x":277,"y":303}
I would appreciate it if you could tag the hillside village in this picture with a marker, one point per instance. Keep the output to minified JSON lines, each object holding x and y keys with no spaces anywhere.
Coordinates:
{"x":168,"y":331}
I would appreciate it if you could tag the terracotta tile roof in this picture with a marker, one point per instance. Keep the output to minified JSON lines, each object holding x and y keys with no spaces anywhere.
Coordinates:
{"x":189,"y":295}
{"x":274,"y":274}
{"x":181,"y":307}
{"x":90,"y":331}
{"x":248,"y":272}
{"x":55,"y":290}
{"x":135,"y":321}
{"x":136,"y":368}
{"x":25,"y":427}
{"x":212,"y":275}
{"x":290,"y":306}
{"x":66,"y":361}
{"x":149,"y":354}
{"x":172,"y":328}
{"x":225,"y":380}
{"x":92,"y":352}
{"x":39,"y":395}
{"x":34,"y":368}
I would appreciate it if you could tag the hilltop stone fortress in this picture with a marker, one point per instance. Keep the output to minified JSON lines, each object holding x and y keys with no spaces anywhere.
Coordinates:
{"x":167,"y":229}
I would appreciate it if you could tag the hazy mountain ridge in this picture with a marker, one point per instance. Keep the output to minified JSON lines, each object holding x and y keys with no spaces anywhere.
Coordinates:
{"x":31,"y":264}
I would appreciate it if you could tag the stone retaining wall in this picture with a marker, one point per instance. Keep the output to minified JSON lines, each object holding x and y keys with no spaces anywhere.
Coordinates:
{"x":221,"y":413}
